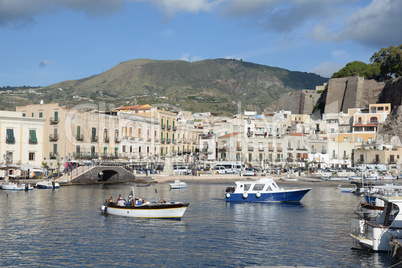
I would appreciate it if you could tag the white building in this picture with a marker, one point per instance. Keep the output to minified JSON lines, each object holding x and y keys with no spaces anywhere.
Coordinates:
{"x":22,"y":141}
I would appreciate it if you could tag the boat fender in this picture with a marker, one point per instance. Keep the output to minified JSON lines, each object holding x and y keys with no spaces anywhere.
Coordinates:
{"x":245,"y":195}
{"x":227,"y":195}
{"x":258,"y":195}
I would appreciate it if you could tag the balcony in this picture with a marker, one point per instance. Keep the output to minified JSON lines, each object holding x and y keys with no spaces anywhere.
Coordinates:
{"x":163,"y":126}
{"x":94,"y":138}
{"x":53,"y":137}
{"x":271,"y":149}
{"x":174,"y":128}
{"x":279,"y":149}
{"x":168,"y":141}
{"x":53,"y":155}
{"x":261,"y":149}
{"x":174,"y":141}
{"x":323,"y":151}
{"x":250,"y":148}
{"x":163,"y":140}
{"x":222,"y":149}
{"x":106,"y":139}
{"x":117,"y":140}
{"x":54,"y":120}
{"x":168,"y":127}
{"x":301,"y":149}
{"x":80,"y":137}
{"x":238,"y":148}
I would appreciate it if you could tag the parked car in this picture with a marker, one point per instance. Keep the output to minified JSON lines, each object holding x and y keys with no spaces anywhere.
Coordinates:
{"x":182,"y":170}
{"x":249,"y":172}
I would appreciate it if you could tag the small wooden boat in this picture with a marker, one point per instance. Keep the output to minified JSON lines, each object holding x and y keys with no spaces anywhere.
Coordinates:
{"x":150,"y":210}
{"x":263,"y":190}
{"x":178,"y":184}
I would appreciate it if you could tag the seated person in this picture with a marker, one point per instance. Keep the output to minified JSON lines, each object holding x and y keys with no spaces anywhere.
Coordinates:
{"x":121,"y":203}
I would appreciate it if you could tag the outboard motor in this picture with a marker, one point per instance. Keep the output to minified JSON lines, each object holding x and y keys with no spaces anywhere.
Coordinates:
{"x":53,"y":185}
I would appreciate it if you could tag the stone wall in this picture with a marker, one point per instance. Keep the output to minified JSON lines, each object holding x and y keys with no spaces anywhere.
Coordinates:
{"x":298,"y":102}
{"x":351,"y":92}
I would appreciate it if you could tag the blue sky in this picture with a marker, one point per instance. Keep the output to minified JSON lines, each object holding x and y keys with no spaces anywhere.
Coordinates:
{"x":45,"y":41}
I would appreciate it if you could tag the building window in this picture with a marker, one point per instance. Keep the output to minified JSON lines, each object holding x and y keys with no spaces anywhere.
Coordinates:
{"x":131,"y":148}
{"x":92,"y":150}
{"x":78,"y":149}
{"x":32,"y":136}
{"x":24,"y":115}
{"x":10,"y":139}
{"x":361,"y":158}
{"x":31,"y":156}
{"x":123,"y":148}
{"x":40,"y":114}
{"x":139,"y":149}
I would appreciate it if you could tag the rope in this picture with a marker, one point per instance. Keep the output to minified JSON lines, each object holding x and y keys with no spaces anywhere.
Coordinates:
{"x":348,"y":232}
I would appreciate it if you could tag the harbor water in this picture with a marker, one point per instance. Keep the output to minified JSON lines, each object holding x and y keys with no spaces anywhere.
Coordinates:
{"x":64,"y":227}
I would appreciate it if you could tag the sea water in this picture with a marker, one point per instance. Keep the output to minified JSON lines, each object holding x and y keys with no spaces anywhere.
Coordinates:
{"x":64,"y":227}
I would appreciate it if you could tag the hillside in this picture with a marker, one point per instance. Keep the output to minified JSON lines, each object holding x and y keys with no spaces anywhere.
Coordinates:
{"x":210,"y":85}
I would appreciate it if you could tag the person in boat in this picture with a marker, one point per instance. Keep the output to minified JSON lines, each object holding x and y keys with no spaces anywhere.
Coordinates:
{"x":143,"y":200}
{"x":121,"y":203}
{"x":110,"y":200}
{"x":163,"y":201}
{"x":139,"y":203}
{"x":119,"y":198}
{"x":130,"y":200}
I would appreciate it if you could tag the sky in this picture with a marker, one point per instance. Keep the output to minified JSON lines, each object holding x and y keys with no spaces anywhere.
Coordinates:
{"x":46,"y":41}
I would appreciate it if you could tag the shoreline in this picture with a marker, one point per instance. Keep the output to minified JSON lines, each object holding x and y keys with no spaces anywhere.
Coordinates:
{"x":223,"y":179}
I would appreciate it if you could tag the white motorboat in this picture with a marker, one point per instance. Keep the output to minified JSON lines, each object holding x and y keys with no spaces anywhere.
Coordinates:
{"x":377,"y":235}
{"x":151,"y":210}
{"x":263,"y":190}
{"x":289,"y":179}
{"x":178,"y":184}
{"x":16,"y":186}
{"x":47,"y":185}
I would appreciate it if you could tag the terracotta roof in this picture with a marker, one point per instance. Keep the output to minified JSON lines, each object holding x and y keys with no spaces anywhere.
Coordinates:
{"x":296,"y":134}
{"x":230,"y":135}
{"x":136,"y":107}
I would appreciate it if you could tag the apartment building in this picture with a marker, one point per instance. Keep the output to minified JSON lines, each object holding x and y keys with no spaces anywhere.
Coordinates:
{"x":22,"y":140}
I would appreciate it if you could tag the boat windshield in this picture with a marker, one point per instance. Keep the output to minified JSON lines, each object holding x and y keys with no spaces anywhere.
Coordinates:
{"x":258,"y":187}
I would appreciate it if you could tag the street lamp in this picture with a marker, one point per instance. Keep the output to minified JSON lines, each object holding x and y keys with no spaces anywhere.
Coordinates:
{"x":6,"y":157}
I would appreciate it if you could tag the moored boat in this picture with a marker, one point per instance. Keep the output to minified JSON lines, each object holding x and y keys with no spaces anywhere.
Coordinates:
{"x":16,"y":186}
{"x":263,"y":190}
{"x":376,"y":235}
{"x":289,"y":179}
{"x":178,"y":184}
{"x":47,"y":185}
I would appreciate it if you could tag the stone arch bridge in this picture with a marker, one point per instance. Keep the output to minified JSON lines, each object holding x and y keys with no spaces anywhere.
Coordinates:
{"x":101,"y":174}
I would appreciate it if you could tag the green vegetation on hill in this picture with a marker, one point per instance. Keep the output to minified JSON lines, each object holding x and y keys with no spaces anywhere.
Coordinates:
{"x":218,"y":86}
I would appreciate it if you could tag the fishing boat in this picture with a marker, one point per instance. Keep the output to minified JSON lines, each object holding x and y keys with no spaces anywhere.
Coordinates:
{"x":150,"y":210}
{"x":177,"y":184}
{"x":377,"y":235}
{"x":47,"y":184}
{"x":263,"y":190}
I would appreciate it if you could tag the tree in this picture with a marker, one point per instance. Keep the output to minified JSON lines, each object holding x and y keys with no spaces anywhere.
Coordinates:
{"x":358,"y":68}
{"x":389,"y":61}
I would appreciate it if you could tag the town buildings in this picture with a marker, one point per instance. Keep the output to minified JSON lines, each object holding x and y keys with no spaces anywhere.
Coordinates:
{"x":145,"y":134}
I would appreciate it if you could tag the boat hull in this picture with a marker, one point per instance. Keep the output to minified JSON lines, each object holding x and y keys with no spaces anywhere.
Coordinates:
{"x":150,"y":211}
{"x":47,"y":185}
{"x":280,"y":196}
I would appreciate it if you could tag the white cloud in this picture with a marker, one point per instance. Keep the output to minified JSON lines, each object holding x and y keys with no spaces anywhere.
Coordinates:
{"x":327,"y":69}
{"x":375,"y":25}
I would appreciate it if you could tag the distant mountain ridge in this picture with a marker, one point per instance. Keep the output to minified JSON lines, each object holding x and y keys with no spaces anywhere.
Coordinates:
{"x":218,"y":85}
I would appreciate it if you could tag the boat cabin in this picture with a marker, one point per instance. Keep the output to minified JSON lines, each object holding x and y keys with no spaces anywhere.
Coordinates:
{"x":259,"y":186}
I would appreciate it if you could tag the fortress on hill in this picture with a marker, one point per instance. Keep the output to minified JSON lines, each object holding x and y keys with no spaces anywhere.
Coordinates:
{"x":338,"y":95}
